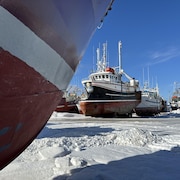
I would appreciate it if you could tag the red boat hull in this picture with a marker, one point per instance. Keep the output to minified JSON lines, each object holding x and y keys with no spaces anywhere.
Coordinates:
{"x":41,"y":44}
{"x":24,"y":94}
{"x":103,"y":108}
{"x":67,"y":106}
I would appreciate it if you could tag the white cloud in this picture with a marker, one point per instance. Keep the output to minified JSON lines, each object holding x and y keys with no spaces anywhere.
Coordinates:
{"x":164,"y":56}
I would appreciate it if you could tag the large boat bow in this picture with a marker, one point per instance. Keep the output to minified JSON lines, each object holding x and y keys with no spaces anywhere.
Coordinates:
{"x":41,"y":44}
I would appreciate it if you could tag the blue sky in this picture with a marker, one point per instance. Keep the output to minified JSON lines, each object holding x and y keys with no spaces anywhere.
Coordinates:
{"x":150,"y":35}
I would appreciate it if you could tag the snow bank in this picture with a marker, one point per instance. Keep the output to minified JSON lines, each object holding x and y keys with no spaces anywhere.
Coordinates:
{"x":137,"y":137}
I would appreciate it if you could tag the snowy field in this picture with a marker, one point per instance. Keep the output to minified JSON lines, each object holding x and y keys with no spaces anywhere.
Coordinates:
{"x":72,"y":146}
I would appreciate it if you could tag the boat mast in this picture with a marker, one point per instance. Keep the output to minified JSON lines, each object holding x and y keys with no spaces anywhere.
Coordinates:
{"x":104,"y":56}
{"x":98,"y":60}
{"x":93,"y":59}
{"x":120,"y":57}
{"x":143,"y":79}
{"x":120,"y":62}
{"x":148,"y":78}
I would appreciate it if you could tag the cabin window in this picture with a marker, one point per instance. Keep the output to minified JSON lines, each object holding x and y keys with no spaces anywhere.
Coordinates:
{"x":103,"y":76}
{"x":107,"y":76}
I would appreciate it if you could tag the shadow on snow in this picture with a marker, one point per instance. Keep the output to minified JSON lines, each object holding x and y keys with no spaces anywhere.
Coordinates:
{"x":161,"y":165}
{"x":73,"y":132}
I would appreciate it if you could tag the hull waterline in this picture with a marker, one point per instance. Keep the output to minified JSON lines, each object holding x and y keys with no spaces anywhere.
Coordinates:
{"x":40,"y":48}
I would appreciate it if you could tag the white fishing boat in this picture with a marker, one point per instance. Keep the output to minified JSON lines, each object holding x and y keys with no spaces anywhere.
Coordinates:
{"x":151,"y":101}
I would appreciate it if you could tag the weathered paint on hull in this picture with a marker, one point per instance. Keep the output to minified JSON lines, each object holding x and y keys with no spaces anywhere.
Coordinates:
{"x":103,"y":108}
{"x":24,"y":94}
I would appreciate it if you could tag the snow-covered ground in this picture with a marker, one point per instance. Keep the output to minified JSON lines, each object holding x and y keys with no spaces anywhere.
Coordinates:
{"x":72,"y":146}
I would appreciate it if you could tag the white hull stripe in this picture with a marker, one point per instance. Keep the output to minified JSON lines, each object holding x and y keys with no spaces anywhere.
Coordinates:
{"x":20,"y":41}
{"x":109,"y":101}
{"x":113,"y":87}
{"x":120,"y":95}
